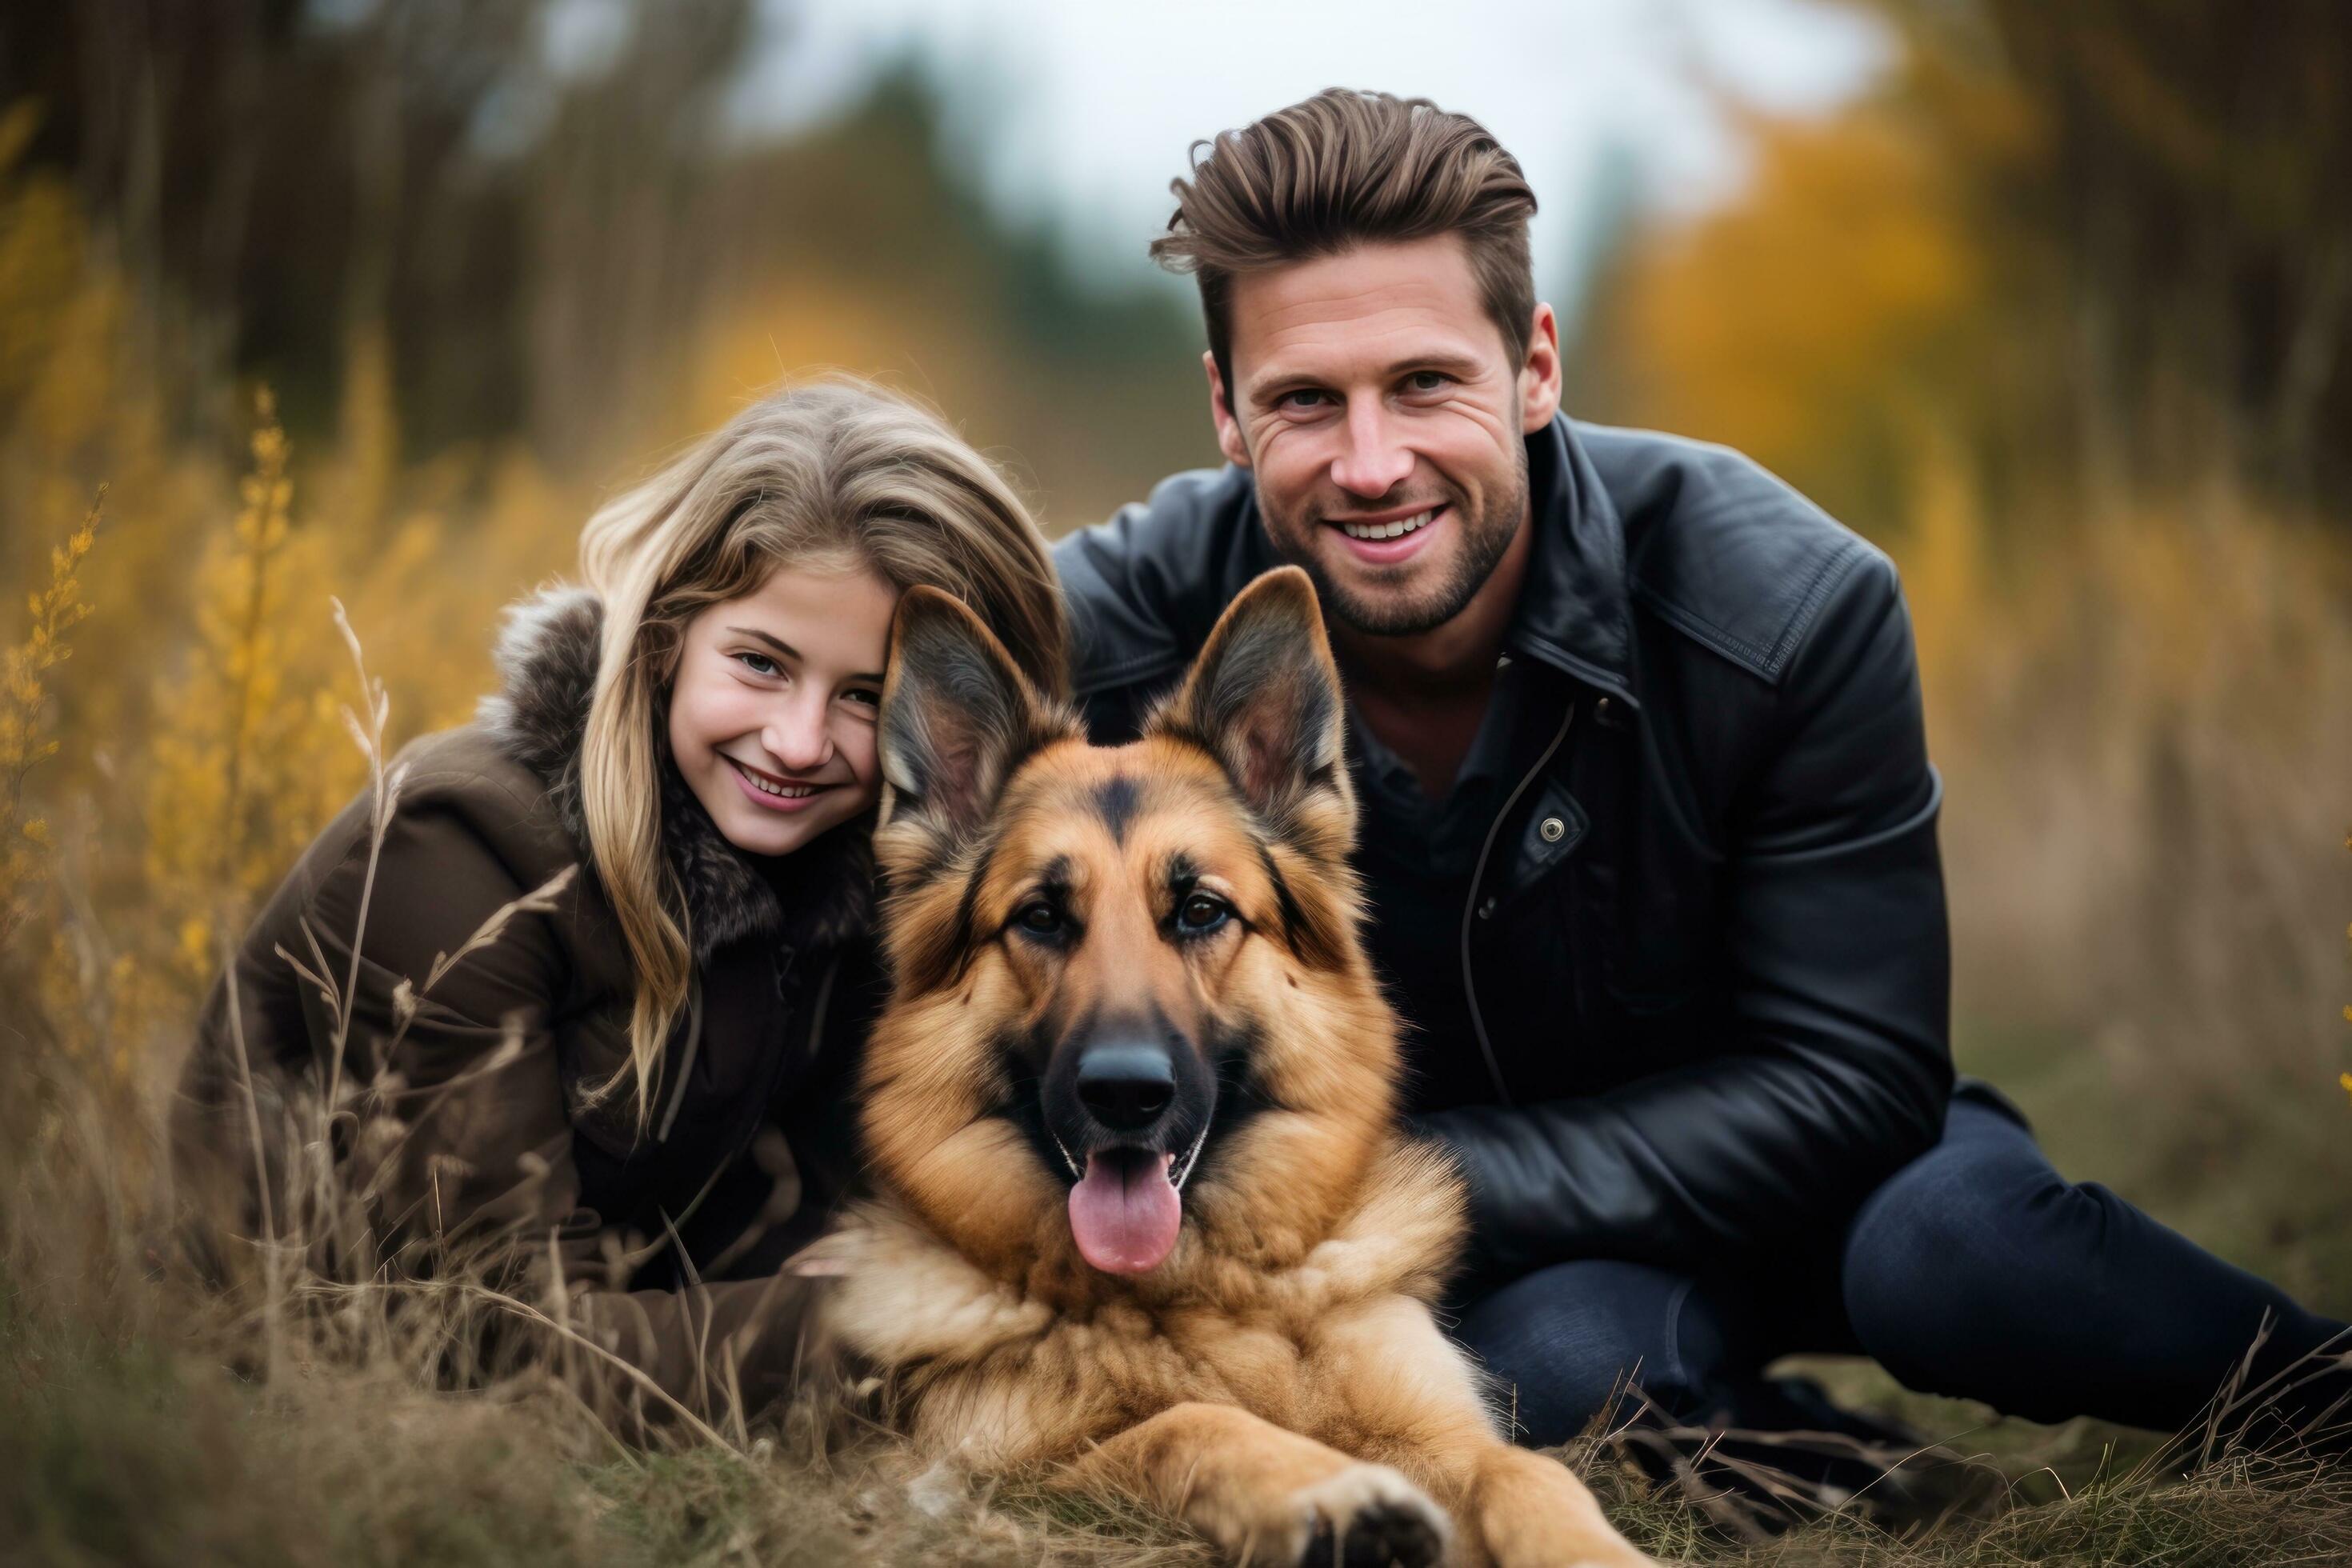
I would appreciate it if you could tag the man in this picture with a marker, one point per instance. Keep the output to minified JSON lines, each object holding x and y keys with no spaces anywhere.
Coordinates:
{"x":1649,"y":829}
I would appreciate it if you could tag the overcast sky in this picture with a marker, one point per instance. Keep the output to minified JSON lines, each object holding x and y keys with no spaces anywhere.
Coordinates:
{"x":1076,"y":114}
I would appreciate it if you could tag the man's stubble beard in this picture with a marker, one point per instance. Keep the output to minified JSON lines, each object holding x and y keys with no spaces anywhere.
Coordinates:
{"x":1486,"y":540}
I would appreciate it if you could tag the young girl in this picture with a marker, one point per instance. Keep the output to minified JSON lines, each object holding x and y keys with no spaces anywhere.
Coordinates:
{"x":643,"y":1074}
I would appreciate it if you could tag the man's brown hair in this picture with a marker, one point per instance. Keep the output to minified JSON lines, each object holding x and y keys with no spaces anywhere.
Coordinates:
{"x":1340,"y":169}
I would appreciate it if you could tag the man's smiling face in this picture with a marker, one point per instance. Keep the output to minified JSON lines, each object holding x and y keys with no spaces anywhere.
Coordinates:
{"x":1382,"y":417}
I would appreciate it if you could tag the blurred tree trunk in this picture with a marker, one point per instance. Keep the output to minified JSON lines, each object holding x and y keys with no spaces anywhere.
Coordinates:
{"x":618,"y":257}
{"x":2195,"y":162}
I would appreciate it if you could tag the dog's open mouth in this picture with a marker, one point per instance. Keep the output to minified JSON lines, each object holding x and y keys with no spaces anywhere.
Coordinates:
{"x":1127,"y":1203}
{"x":1125,"y":1210}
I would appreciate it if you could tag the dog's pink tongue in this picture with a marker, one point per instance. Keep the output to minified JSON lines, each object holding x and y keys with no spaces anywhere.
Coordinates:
{"x":1124,"y":1214}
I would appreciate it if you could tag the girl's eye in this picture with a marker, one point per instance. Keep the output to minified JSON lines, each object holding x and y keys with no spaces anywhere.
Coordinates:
{"x":1201,"y":913}
{"x":862,"y":696}
{"x":1039,"y":918}
{"x":758,"y":663}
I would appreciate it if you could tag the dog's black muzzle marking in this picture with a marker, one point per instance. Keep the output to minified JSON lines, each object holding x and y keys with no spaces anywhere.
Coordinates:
{"x":1133,"y":1084}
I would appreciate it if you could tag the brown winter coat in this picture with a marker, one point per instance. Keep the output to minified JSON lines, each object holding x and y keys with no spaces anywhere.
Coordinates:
{"x":478,"y":1116}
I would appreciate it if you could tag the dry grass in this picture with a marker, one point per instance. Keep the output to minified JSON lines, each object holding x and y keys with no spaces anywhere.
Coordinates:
{"x":138,"y":1429}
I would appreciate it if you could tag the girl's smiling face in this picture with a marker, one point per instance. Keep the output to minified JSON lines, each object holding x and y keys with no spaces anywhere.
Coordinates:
{"x":772,"y":705}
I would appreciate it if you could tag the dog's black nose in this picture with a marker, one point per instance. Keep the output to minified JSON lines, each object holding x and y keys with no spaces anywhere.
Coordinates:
{"x":1126,"y":1086}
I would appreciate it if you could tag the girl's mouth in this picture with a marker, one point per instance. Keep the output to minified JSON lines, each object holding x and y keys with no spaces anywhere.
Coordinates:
{"x":772,"y":793}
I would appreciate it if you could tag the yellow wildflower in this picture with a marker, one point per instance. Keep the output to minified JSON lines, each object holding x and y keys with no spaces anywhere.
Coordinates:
{"x":54,"y":610}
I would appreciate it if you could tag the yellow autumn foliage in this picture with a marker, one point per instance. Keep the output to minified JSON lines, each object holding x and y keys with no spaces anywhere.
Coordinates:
{"x":246,"y":758}
{"x":53,"y":611}
{"x":193,"y":744}
{"x":1799,"y":325}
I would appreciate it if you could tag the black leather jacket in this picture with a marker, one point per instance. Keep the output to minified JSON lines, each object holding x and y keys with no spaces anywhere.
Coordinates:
{"x":1707,"y":942}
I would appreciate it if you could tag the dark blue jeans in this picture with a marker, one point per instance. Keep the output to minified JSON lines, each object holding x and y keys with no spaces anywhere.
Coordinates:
{"x":1976,"y":1271}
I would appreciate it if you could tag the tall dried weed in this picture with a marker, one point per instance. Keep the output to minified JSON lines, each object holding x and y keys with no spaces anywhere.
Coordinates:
{"x":54,"y":610}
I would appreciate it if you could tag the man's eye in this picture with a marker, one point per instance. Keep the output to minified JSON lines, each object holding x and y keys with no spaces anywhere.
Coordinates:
{"x":1303,"y":398}
{"x":758,"y":663}
{"x":1201,"y":913}
{"x":1428,"y":381}
{"x":1039,"y":919}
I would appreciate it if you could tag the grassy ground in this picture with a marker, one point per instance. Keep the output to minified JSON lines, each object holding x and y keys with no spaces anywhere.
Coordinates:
{"x":132,"y":1453}
{"x":131,"y":1432}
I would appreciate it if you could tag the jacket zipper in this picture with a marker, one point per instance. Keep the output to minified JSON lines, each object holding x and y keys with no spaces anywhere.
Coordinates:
{"x":815,"y":1038}
{"x":1470,"y":906}
{"x":694,"y":1040}
{"x":823,"y":1001}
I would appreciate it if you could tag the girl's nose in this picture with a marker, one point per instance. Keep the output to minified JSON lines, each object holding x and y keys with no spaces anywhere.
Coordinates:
{"x":799,"y":738}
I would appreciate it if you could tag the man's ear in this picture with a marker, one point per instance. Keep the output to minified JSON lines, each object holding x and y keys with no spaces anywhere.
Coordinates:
{"x":957,"y":716}
{"x":1221,"y":414}
{"x":1539,"y":374}
{"x":1263,"y":697}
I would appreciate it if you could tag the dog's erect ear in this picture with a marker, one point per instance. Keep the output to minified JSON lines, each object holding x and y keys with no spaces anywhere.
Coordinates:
{"x":1264,"y":696}
{"x":956,"y":715}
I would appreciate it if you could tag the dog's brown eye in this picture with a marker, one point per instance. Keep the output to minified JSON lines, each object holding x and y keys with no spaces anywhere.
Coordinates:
{"x":1040,"y":918}
{"x":1202,"y":913}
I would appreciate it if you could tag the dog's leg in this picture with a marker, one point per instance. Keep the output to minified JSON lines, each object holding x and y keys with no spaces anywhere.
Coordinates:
{"x":1530,"y":1511}
{"x":1264,"y":1495}
{"x":1412,"y":1400}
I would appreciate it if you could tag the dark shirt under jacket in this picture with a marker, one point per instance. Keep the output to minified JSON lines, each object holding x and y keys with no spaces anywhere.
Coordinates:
{"x":1417,"y":858}
{"x":1420,"y":857}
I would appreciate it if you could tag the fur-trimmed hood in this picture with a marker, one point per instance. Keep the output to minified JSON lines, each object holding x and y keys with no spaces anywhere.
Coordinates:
{"x":818,"y":896}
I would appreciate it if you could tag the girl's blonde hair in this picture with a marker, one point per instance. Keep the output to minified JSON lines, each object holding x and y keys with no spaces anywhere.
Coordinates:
{"x":836,"y":474}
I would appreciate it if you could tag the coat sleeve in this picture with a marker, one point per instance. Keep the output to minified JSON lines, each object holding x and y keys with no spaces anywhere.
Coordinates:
{"x":459,"y":1140}
{"x":1839,"y":983}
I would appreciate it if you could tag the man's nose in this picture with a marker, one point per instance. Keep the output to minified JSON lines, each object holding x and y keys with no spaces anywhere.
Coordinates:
{"x":1372,"y":461}
{"x":799,"y":737}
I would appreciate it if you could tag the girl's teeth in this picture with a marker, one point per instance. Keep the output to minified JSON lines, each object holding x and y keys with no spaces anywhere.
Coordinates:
{"x":1396,"y":529}
{"x":789,"y":792}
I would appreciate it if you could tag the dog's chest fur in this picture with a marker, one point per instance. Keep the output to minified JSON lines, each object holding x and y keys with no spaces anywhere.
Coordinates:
{"x":1000,"y":1378}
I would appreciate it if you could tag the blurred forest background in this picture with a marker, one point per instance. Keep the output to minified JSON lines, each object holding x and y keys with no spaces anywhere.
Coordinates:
{"x":375,"y":301}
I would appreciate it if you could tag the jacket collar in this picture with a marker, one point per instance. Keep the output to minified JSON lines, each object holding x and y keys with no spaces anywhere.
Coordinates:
{"x":1573,"y":611}
{"x":548,"y":654}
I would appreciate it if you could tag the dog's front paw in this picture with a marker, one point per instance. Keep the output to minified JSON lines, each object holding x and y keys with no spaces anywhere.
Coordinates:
{"x":1365,"y":1516}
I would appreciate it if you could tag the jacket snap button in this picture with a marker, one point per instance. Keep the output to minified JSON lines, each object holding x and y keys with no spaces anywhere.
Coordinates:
{"x":1553,"y":830}
{"x":1486,"y":908}
{"x":1603,"y":709}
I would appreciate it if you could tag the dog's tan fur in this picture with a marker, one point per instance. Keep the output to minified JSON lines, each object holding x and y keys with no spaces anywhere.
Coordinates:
{"x":1280,"y":1373}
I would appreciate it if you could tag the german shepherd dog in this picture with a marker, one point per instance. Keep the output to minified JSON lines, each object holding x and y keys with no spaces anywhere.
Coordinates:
{"x":1146,"y":1220}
